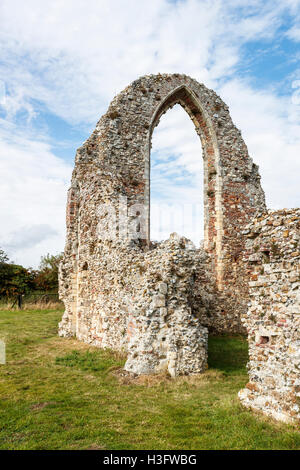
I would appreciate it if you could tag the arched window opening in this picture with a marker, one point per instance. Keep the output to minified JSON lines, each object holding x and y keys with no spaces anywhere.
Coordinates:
{"x":176,"y":178}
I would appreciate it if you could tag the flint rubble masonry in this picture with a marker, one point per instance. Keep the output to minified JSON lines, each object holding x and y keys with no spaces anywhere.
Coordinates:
{"x":157,"y":301}
{"x":273,"y":316}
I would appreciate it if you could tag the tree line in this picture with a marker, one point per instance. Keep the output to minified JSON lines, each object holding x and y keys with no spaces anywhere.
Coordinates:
{"x":16,"y":280}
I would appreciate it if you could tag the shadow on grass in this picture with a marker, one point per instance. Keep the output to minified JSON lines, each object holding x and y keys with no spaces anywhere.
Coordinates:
{"x":96,"y":361}
{"x":228,"y":354}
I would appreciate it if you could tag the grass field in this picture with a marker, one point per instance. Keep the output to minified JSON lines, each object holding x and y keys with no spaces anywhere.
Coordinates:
{"x":58,"y":393}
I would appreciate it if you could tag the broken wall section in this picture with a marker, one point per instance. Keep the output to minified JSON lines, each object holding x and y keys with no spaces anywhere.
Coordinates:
{"x":164,"y":335}
{"x":113,"y":165}
{"x":140,"y":303}
{"x":273,"y":317}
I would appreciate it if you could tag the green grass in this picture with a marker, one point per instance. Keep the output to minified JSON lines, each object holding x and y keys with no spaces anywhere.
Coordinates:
{"x":58,"y":393}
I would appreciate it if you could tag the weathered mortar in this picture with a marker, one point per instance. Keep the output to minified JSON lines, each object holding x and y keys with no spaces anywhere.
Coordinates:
{"x":142,"y":304}
{"x":157,"y":301}
{"x":273,"y":317}
{"x":115,"y":162}
{"x":163,"y":332}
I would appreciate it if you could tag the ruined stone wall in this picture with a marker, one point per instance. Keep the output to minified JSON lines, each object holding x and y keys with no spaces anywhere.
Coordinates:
{"x":273,"y":317}
{"x":163,"y":332}
{"x":107,"y":283}
{"x":141,"y":303}
{"x":156,"y":301}
{"x":114,"y":163}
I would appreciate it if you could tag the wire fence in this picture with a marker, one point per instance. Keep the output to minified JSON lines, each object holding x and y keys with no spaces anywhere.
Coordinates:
{"x":22,"y":300}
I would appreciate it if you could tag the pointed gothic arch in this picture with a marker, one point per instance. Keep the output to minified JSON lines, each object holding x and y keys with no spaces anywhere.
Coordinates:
{"x":158,"y":302}
{"x":184,"y":96}
{"x":114,"y":163}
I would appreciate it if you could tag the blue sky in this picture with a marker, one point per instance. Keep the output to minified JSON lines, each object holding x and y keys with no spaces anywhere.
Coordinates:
{"x":62,"y":62}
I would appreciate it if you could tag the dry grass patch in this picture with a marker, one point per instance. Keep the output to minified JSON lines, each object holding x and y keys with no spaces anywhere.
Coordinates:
{"x":197,"y":380}
{"x":128,"y":378}
{"x":41,"y":406}
{"x":29,"y":306}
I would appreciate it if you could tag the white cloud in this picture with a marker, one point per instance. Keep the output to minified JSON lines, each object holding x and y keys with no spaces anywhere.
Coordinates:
{"x":273,"y":139}
{"x":294,"y":33}
{"x":72,"y":57}
{"x":33,"y":195}
{"x":28,"y":237}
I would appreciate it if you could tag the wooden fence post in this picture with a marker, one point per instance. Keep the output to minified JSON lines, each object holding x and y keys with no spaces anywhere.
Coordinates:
{"x":20,"y":301}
